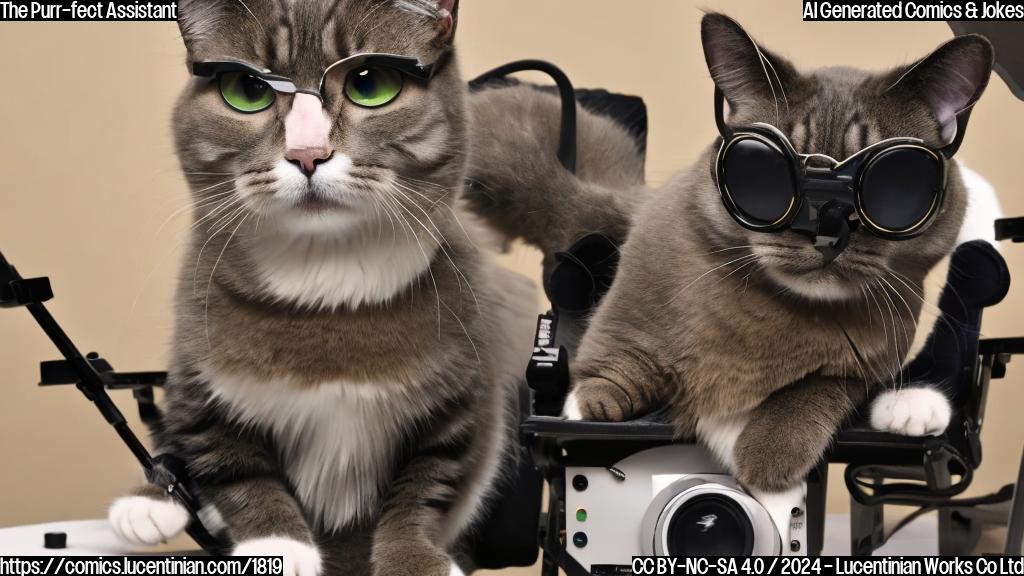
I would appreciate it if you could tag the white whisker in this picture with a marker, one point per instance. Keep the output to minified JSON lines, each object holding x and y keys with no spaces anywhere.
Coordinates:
{"x":699,"y":278}
{"x":206,"y":300}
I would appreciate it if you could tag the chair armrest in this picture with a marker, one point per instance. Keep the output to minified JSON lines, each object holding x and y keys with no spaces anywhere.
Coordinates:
{"x":998,"y":351}
{"x":1010,"y":229}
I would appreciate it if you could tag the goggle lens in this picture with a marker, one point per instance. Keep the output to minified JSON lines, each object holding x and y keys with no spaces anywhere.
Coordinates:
{"x":899,"y":189}
{"x":758,"y":178}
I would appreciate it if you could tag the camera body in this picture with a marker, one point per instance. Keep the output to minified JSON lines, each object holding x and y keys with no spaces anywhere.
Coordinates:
{"x":672,"y":500}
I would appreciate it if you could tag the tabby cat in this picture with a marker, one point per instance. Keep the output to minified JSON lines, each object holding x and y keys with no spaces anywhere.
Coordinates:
{"x":344,"y":352}
{"x":743,"y":333}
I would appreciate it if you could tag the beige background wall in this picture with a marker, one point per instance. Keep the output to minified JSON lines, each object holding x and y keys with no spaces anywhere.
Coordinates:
{"x":88,"y":186}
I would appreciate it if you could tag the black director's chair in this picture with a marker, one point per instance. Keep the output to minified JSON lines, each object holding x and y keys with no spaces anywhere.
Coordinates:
{"x":966,"y":363}
{"x":963,"y":364}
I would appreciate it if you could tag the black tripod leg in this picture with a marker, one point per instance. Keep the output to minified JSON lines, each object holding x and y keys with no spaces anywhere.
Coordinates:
{"x":867,"y":527}
{"x":552,"y":544}
{"x":817,"y":491}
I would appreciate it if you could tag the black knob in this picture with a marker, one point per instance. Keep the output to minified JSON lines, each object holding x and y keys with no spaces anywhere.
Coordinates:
{"x":55,"y":540}
{"x":580,"y":482}
{"x":579,"y":539}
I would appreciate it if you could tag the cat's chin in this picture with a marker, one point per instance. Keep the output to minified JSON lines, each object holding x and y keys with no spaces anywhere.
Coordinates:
{"x":335,"y":222}
{"x":816,"y":286}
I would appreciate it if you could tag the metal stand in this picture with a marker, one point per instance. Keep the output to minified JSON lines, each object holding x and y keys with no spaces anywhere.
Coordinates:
{"x":867,"y":526}
{"x":92,"y":376}
{"x":1015,"y":533}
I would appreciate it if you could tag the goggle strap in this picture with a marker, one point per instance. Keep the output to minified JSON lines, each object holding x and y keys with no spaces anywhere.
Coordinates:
{"x":723,"y":127}
{"x":961,"y":130}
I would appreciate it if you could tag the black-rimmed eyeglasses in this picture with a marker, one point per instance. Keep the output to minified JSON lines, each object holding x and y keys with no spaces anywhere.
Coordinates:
{"x":370,"y":80}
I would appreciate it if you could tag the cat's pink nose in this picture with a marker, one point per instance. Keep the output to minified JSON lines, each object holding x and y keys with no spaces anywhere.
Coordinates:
{"x":307,"y":134}
{"x":308,"y":158}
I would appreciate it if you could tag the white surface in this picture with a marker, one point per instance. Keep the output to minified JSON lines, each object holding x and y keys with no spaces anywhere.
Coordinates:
{"x":88,"y":537}
{"x":919,"y":538}
{"x":85,"y":537}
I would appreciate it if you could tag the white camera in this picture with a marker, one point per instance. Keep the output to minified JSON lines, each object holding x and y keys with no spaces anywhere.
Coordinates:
{"x":673,"y":500}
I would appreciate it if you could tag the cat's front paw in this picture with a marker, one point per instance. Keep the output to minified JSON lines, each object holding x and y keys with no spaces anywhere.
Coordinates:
{"x":144,"y":521}
{"x":300,"y":558}
{"x":598,"y":399}
{"x":911,"y":412}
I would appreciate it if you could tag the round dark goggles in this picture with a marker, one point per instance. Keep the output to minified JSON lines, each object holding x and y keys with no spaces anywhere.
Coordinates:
{"x":894,"y":188}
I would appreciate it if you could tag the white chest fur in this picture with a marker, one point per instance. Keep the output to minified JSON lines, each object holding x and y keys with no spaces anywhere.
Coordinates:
{"x":324,"y":272}
{"x":337,"y":442}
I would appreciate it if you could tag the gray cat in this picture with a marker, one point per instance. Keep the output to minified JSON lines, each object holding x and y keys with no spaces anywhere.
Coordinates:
{"x":744,"y":334}
{"x":344,"y":352}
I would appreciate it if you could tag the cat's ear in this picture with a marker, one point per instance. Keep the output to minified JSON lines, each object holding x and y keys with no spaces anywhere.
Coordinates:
{"x":949,"y":80}
{"x":197,"y":21}
{"x":745,"y":72}
{"x":207,"y":26}
{"x":444,"y":12}
{"x":447,"y":19}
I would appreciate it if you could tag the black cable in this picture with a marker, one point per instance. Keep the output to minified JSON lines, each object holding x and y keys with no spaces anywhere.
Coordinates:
{"x":567,"y":137}
{"x":1005,"y":494}
{"x":902,"y":493}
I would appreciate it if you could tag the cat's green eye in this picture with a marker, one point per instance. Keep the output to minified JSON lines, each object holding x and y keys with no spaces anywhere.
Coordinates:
{"x":245,"y":92}
{"x":373,"y":87}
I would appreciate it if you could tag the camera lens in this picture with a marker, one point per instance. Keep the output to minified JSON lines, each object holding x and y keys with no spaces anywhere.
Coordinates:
{"x":580,"y":482}
{"x":710,"y":525}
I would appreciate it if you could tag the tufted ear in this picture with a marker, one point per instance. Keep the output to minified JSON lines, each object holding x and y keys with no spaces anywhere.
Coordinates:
{"x":211,"y":26}
{"x":448,"y":18}
{"x":949,"y":80}
{"x":743,"y":71}
{"x":445,"y":12}
{"x":198,"y":20}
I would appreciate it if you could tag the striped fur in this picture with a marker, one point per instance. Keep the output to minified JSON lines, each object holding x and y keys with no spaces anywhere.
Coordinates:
{"x":760,"y":349}
{"x":342,"y":376}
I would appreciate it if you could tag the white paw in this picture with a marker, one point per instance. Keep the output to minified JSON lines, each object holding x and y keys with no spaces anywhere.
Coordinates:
{"x":300,"y":559}
{"x":571,"y":408}
{"x":146,"y":521}
{"x":455,"y":571}
{"x":780,"y":507}
{"x":911,"y":412}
